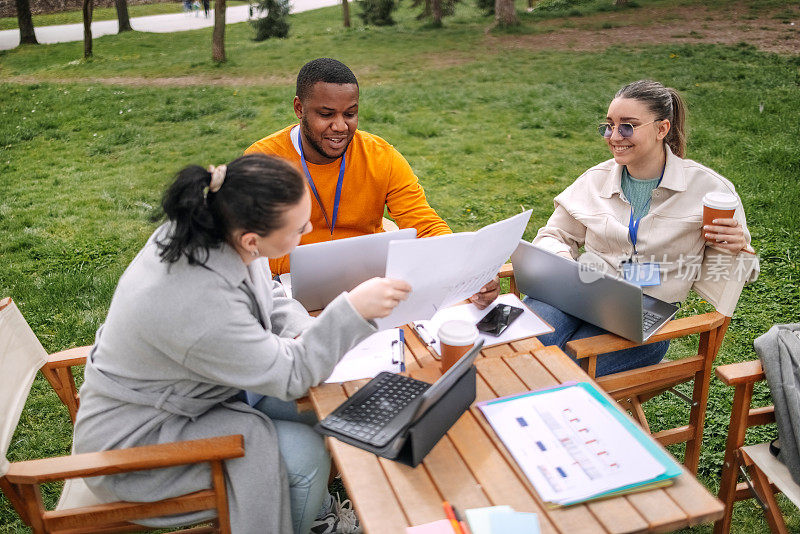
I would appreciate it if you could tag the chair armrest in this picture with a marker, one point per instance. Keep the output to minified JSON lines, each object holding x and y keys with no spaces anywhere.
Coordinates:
{"x":69,"y":357}
{"x":125,"y":460}
{"x":506,"y":271}
{"x":740,"y":373}
{"x":603,"y":344}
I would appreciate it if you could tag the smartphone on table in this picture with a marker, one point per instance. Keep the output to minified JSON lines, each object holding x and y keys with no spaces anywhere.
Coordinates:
{"x":498,"y":319}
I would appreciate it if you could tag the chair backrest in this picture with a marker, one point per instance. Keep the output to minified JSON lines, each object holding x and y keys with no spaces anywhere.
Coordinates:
{"x":21,"y":356}
{"x":722,"y":276}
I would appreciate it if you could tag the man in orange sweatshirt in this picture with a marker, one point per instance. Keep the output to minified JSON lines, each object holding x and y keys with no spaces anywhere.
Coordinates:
{"x":352,"y":175}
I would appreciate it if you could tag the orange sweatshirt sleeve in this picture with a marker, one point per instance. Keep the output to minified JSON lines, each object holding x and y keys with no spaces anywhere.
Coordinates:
{"x":407,"y":203}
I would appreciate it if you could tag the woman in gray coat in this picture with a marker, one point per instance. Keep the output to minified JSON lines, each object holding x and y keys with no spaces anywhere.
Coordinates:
{"x":196,"y":319}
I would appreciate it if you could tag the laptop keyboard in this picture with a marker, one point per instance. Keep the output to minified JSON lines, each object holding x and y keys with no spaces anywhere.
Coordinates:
{"x":365,"y":418}
{"x":649,"y":319}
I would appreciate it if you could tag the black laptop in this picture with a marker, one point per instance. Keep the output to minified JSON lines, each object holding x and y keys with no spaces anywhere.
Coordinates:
{"x":378,"y":416}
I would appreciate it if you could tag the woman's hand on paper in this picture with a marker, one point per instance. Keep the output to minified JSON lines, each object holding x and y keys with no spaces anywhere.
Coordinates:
{"x":377,"y":297}
{"x":727,"y":234}
{"x":487,"y":294}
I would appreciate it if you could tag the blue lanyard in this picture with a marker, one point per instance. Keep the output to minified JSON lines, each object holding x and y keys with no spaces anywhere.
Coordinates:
{"x":633,"y":223}
{"x":330,"y":222}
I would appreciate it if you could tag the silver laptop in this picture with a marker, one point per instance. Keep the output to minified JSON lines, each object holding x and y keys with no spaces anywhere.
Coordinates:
{"x":601,"y":299}
{"x":321,"y":271}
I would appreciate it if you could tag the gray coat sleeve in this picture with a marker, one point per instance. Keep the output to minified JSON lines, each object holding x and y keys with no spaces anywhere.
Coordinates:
{"x":288,"y":316}
{"x":238,"y":352}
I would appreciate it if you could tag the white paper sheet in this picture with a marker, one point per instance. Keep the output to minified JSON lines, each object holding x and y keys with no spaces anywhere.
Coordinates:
{"x":569,"y":446}
{"x":526,"y":325}
{"x":382,"y":351}
{"x":444,"y":270}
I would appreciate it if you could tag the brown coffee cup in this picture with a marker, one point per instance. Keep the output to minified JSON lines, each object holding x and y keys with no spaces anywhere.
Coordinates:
{"x":455,"y":339}
{"x":717,"y":205}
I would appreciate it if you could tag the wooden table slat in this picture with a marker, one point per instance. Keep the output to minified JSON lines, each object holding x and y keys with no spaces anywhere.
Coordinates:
{"x":530,"y":371}
{"x":375,"y":500}
{"x":453,"y":478}
{"x":495,"y":352}
{"x":501,"y":379}
{"x":699,"y":505}
{"x":526,"y":345}
{"x":661,"y":512}
{"x":618,"y":516}
{"x":421,"y":501}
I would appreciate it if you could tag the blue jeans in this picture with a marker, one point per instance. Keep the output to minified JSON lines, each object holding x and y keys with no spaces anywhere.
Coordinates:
{"x":307,"y":461}
{"x":568,"y":327}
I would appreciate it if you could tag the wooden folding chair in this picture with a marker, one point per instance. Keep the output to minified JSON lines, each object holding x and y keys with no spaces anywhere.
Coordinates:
{"x":720,"y":279}
{"x":769,"y":475}
{"x":78,"y":510}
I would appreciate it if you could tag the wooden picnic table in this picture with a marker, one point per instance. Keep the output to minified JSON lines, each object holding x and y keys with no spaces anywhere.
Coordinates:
{"x":471,"y":468}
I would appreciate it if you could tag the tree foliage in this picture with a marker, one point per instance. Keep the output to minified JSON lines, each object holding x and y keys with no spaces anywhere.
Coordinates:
{"x":377,"y":12}
{"x":486,"y":6}
{"x":274,"y":22}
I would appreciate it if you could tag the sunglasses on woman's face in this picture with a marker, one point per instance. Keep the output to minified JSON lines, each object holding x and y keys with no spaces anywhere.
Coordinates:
{"x":626,"y":129}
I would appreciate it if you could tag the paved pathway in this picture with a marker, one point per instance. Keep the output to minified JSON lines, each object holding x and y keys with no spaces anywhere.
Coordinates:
{"x":177,"y":22}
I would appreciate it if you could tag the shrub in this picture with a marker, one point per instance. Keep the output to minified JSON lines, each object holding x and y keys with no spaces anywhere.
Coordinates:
{"x":486,"y":6}
{"x":275,"y":23}
{"x":377,"y":12}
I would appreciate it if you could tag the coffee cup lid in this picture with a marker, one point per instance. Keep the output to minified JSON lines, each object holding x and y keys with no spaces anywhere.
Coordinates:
{"x":721,"y":201}
{"x":457,"y":333}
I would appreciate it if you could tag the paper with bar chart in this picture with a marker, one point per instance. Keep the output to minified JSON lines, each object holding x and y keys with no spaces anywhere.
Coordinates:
{"x":570,"y":446}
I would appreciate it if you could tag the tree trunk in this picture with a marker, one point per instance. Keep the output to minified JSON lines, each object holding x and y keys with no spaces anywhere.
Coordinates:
{"x":218,"y":40}
{"x":25,"y":22}
{"x":436,"y":8}
{"x":346,"y":13}
{"x":122,"y":15}
{"x":88,"y":8}
{"x":505,"y":13}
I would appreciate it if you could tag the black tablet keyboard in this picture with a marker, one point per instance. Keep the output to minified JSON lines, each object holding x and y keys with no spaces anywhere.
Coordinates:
{"x":379,"y":410}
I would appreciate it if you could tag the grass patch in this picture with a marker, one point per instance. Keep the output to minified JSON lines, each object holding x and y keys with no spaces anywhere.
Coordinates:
{"x":487,"y":131}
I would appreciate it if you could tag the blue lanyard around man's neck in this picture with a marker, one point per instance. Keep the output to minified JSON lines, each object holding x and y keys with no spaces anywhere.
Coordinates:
{"x":633,"y":223}
{"x":330,"y":222}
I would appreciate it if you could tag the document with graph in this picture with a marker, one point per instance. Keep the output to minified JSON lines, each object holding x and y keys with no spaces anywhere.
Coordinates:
{"x":574,"y":445}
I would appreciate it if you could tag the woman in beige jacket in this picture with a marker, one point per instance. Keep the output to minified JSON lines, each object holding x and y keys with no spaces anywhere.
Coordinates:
{"x":643,"y":206}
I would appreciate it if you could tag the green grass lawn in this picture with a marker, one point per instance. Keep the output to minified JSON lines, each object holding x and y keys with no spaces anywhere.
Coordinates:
{"x":101,"y":13}
{"x":488,"y":127}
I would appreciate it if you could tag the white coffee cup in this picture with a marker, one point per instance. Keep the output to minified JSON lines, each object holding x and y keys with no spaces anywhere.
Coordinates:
{"x":455,"y":339}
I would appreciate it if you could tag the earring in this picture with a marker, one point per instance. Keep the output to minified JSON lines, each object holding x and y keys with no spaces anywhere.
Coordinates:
{"x":254,"y":253}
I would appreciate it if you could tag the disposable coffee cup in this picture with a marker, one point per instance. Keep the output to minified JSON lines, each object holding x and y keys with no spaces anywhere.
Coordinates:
{"x":455,"y":340}
{"x":718,"y":205}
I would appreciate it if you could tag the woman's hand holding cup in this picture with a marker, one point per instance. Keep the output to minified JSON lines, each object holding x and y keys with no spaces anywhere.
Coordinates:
{"x":727,"y":234}
{"x":720,"y":228}
{"x":377,"y":297}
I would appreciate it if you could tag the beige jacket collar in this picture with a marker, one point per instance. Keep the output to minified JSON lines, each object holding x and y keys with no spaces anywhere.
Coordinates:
{"x":674,"y":178}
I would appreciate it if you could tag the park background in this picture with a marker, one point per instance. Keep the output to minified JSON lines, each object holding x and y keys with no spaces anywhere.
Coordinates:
{"x":492,"y":122}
